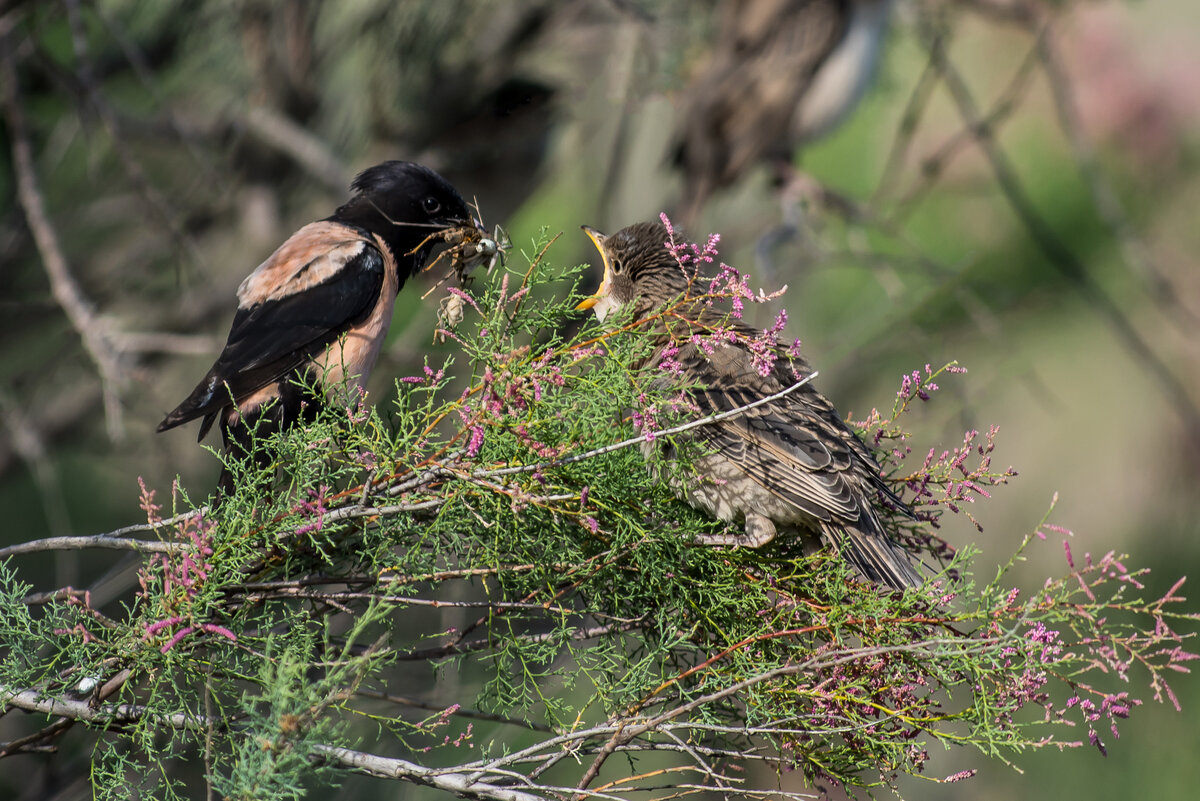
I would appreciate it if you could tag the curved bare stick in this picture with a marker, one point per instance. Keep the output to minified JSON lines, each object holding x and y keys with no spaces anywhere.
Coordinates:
{"x":62,"y":285}
{"x":101,"y":541}
{"x":1053,"y":248}
{"x":648,"y":436}
{"x":391,"y":768}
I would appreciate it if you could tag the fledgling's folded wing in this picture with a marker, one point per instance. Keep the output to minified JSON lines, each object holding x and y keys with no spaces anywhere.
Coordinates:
{"x":799,"y":450}
{"x":325,"y":278}
{"x":784,"y":447}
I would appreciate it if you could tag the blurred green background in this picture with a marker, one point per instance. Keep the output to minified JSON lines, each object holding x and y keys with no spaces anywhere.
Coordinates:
{"x":175,"y":144}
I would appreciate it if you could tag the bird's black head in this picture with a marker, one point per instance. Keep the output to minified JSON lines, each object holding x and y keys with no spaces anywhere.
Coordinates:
{"x":404,"y":203}
{"x":637,"y":266}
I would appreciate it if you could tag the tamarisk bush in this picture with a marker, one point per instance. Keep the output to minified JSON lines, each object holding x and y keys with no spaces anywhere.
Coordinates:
{"x":476,"y":585}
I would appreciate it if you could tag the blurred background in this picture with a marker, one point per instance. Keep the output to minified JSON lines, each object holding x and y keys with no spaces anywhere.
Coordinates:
{"x":1014,"y":187}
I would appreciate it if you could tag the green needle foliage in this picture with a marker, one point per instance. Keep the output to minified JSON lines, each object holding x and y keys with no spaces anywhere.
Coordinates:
{"x":475,"y":586}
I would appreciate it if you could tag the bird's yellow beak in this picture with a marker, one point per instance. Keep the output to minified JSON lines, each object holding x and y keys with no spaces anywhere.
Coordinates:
{"x":598,"y":240}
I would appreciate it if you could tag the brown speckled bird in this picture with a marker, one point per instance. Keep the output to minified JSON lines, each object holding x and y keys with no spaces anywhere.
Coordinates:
{"x":318,"y":309}
{"x":781,"y":73}
{"x":789,"y":463}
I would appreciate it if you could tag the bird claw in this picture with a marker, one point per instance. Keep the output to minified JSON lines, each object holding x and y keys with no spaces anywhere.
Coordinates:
{"x":759,"y":531}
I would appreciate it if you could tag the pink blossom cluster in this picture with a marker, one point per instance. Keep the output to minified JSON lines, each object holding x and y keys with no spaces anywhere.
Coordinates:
{"x":179,"y":573}
{"x":866,"y":689}
{"x":506,"y":398}
{"x":430,"y":377}
{"x":1112,"y":706}
{"x":731,"y":286}
{"x":441,"y":720}
{"x":647,"y":417}
{"x":960,"y":483}
{"x":687,"y":253}
{"x":314,"y":508}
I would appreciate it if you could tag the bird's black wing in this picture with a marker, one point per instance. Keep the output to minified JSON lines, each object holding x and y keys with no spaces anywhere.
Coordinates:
{"x":295,"y":304}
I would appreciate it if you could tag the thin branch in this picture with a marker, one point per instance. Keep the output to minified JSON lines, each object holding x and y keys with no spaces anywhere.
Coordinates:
{"x":391,"y":768}
{"x":647,"y":437}
{"x":461,"y":712}
{"x":66,"y":291}
{"x":401,"y":600}
{"x":82,"y":541}
{"x":458,"y":648}
{"x":1134,"y":250}
{"x":628,"y":730}
{"x":102,"y":541}
{"x":281,"y":133}
{"x":1055,"y":250}
{"x":167,"y":521}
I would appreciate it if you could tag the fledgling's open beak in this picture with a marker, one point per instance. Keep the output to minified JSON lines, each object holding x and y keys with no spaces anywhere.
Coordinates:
{"x":598,"y":239}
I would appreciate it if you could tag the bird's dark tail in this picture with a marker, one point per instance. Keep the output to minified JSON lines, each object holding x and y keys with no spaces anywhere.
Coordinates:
{"x":204,"y":401}
{"x":874,"y":555}
{"x":244,"y":438}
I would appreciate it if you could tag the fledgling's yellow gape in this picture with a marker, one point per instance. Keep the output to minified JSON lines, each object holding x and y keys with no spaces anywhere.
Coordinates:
{"x":791,"y":462}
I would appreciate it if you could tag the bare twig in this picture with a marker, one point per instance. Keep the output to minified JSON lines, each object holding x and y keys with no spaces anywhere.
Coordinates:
{"x":1134,"y":250}
{"x":457,"y":648}
{"x":393,"y":768}
{"x":514,"y":776}
{"x":461,"y":712}
{"x":649,"y":436}
{"x":120,"y":714}
{"x":66,"y":291}
{"x":281,"y":133}
{"x":1056,"y":252}
{"x":634,"y":727}
{"x":101,"y":541}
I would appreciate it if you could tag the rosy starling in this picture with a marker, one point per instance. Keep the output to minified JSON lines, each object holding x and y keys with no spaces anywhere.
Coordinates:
{"x":781,"y":73}
{"x":317,"y":310}
{"x":791,"y":462}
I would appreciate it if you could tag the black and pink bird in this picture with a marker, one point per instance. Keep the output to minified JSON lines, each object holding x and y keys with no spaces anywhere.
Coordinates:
{"x":317,"y":310}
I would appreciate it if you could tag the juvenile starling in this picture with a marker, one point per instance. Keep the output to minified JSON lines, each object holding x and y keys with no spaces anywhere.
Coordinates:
{"x":790,"y":463}
{"x":781,"y":73}
{"x":318,"y":309}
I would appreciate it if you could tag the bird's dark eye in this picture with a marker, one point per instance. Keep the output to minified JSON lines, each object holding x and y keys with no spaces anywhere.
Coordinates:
{"x":616,"y":265}
{"x":431,"y":205}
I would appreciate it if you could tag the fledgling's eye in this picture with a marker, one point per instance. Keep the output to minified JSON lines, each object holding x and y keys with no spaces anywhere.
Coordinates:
{"x":431,"y":205}
{"x":616,"y":266}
